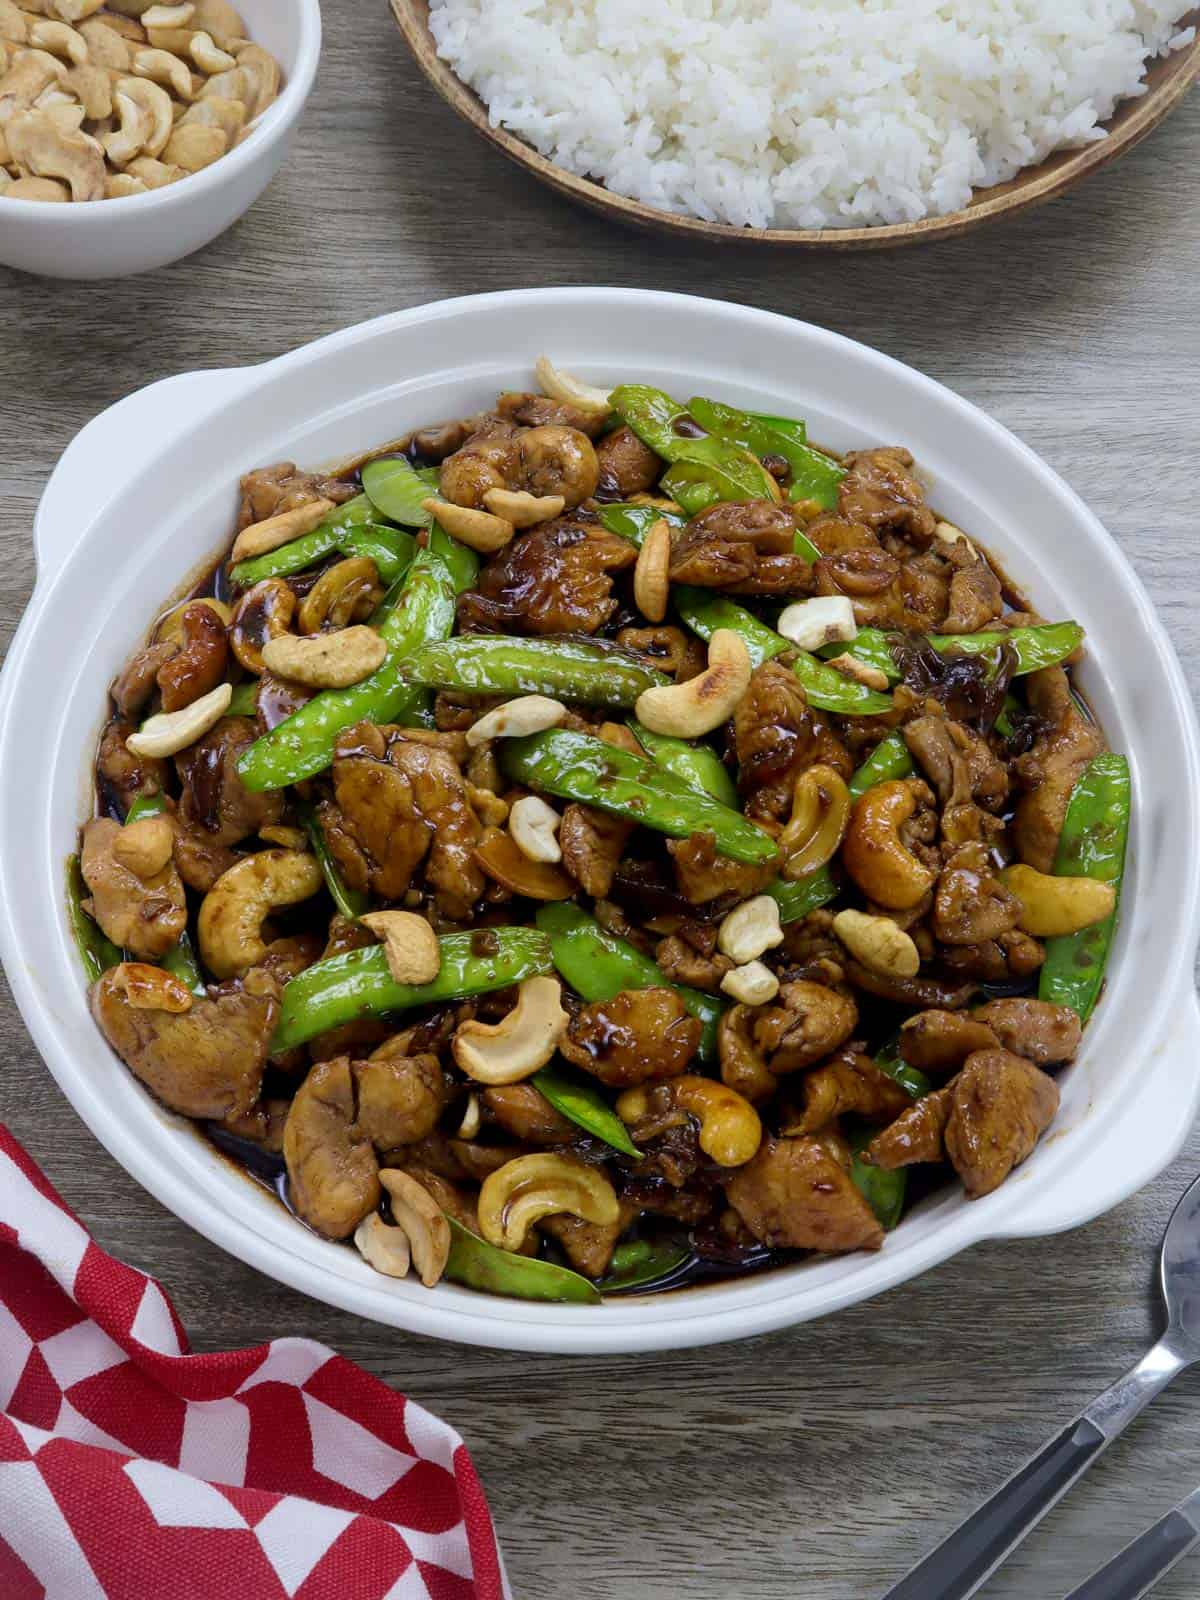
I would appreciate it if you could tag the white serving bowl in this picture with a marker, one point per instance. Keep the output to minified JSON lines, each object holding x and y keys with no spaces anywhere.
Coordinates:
{"x":115,"y":238}
{"x":149,"y":490}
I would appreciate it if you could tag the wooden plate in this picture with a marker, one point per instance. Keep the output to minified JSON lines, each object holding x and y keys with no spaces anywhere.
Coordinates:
{"x":1168,"y":81}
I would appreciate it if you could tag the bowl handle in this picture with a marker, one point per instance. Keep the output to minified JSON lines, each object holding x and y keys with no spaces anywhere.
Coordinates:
{"x":114,"y":447}
{"x":1135,"y":1148}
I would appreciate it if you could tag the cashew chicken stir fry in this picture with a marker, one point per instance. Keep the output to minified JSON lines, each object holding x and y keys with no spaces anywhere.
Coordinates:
{"x":599,"y":843}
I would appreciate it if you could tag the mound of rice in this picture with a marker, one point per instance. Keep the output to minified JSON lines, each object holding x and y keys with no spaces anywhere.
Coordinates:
{"x":803,"y":113}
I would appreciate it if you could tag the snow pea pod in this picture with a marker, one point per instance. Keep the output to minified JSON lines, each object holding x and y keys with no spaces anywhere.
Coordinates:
{"x":702,"y":470}
{"x":583,"y":1104}
{"x":883,"y":1191}
{"x":575,"y":766}
{"x":351,"y":903}
{"x":244,"y":700}
{"x":814,"y":476}
{"x":1043,"y":645}
{"x":97,"y":952}
{"x":1092,"y":845}
{"x":598,"y":965}
{"x":590,"y":670}
{"x":180,"y":961}
{"x":911,"y":1079}
{"x":696,"y":764}
{"x":478,"y":1265}
{"x":796,"y":900}
{"x":390,"y":549}
{"x":889,"y":759}
{"x":419,"y":607}
{"x":396,"y":488}
{"x":634,"y":522}
{"x":638,"y":1263}
{"x":461,"y":561}
{"x":358,"y":984}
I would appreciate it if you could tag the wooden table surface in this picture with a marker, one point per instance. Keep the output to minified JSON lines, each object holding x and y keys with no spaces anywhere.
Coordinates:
{"x":815,"y":1463}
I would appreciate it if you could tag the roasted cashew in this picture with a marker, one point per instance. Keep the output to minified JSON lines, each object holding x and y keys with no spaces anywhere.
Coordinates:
{"x":414,"y":955}
{"x":347,"y":592}
{"x":155,"y":174}
{"x":1053,"y":906}
{"x":213,"y":111}
{"x":531,"y":713}
{"x":752,"y":984}
{"x":558,"y":460}
{"x":150,"y":988}
{"x":195,"y":147}
{"x":58,"y":39}
{"x":234,"y":909}
{"x":523,"y":510}
{"x":264,"y":612}
{"x":145,"y":846}
{"x":730,"y":1128}
{"x":860,"y":672}
{"x":160,"y":66}
{"x":523,"y":1191}
{"x":30,"y":74}
{"x":386,"y":1249}
{"x":14,"y":24}
{"x":500,"y":856}
{"x":208,"y":55}
{"x":687,"y":710}
{"x":133,"y":135}
{"x":828,"y":619}
{"x":479,"y":530}
{"x":39,"y":144}
{"x":262,"y":537}
{"x":172,"y":731}
{"x":420,"y":1232}
{"x":876,"y":857}
{"x":168,"y":16}
{"x":326,"y":660}
{"x":534,"y":826}
{"x":651,"y":575}
{"x":817,"y":826}
{"x":878,"y":944}
{"x":36,"y":189}
{"x":157,"y":111}
{"x":262,"y":69}
{"x":750,"y":929}
{"x":514,"y":1048}
{"x":122,"y":184}
{"x":77,"y":10}
{"x":569,"y":389}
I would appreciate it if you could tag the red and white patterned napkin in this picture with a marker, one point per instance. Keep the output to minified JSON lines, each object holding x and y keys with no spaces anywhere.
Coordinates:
{"x":132,"y":1470}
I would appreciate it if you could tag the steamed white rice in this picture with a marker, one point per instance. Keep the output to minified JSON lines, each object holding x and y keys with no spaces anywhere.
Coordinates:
{"x":803,"y":113}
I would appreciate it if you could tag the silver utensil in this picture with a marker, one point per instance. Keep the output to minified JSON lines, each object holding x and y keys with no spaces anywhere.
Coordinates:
{"x":1137,"y":1569}
{"x":969,"y":1556}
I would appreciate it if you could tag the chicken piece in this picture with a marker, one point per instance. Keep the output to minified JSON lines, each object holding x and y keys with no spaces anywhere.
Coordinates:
{"x":455,"y":1202}
{"x":777,"y":735}
{"x":540,"y":411}
{"x":637,"y":1035}
{"x":400,"y":1098}
{"x":849,"y":1083}
{"x":976,"y":597}
{"x":963,"y":771}
{"x":138,"y":678}
{"x":214,"y":801}
{"x":924,"y":586}
{"x":333,"y":1172}
{"x":402,"y":801}
{"x":592,"y":844}
{"x":669,"y":649}
{"x":557,"y":578}
{"x":145,"y":916}
{"x":1001,"y":1106}
{"x":1049,"y":771}
{"x":521,"y":1110}
{"x":205,"y":1062}
{"x":627,"y":466}
{"x":704,"y":876}
{"x":806,"y":1023}
{"x":945,"y":994}
{"x":939,"y":1042}
{"x":917,"y":1135}
{"x":678,"y":959}
{"x":270,"y":491}
{"x":121,"y":776}
{"x":782,"y":576}
{"x":262,"y":1125}
{"x":1043,"y":1033}
{"x":1011,"y":957}
{"x":743,"y":1064}
{"x":880,"y":491}
{"x":795,"y":1195}
{"x":199,"y":861}
{"x":722,"y":546}
{"x":588,"y":1246}
{"x":970,"y":904}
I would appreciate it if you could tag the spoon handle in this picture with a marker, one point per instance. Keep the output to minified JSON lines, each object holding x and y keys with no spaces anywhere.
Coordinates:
{"x":1135,"y":1570}
{"x":968,"y":1557}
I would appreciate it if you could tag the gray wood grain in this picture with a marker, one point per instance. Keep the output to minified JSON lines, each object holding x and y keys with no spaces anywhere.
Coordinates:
{"x":818,"y":1462}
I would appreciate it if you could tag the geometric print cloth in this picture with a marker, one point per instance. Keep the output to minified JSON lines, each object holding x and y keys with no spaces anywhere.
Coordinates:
{"x":133,"y":1470}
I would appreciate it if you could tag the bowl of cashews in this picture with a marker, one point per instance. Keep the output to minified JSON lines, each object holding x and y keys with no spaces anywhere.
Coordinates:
{"x":133,"y":132}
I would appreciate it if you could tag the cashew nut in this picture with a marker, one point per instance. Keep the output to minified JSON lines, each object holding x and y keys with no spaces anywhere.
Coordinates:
{"x":570,"y":390}
{"x":386,"y":1249}
{"x":195,"y":147}
{"x":534,"y":826}
{"x":287,"y":838}
{"x":168,"y":16}
{"x":160,"y":66}
{"x":156,"y":107}
{"x":36,"y":189}
{"x":59,"y":39}
{"x":172,"y":731}
{"x":208,"y":55}
{"x":418,"y":1216}
{"x":414,"y":955}
{"x":262,"y":70}
{"x":326,"y":660}
{"x":133,"y":135}
{"x":523,"y":1191}
{"x":145,"y":846}
{"x":347,"y":592}
{"x":262,"y":537}
{"x":230,"y":925}
{"x":121,"y":185}
{"x":150,"y":988}
{"x":215,"y":112}
{"x":859,"y":672}
{"x":829,"y":619}
{"x":499,"y":855}
{"x":730,"y":1128}
{"x":480,"y":530}
{"x":1052,"y":906}
{"x":77,"y":10}
{"x":820,"y":817}
{"x":878,"y":944}
{"x":532,"y":713}
{"x":749,"y":929}
{"x":687,"y":710}
{"x":523,"y":510}
{"x":875,"y":855}
{"x":14,"y":25}
{"x":514,"y":1048}
{"x":651,"y":575}
{"x":468,"y":1128}
{"x":752,"y":984}
{"x":38,"y":143}
{"x":155,"y":174}
{"x":31,"y":73}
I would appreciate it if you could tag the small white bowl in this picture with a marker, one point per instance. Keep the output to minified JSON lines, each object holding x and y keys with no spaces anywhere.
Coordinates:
{"x":115,"y":238}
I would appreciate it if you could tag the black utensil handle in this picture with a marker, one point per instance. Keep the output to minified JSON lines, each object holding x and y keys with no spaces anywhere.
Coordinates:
{"x":962,"y":1562}
{"x":1138,"y":1567}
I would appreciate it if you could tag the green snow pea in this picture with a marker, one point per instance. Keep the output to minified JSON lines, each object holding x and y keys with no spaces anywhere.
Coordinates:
{"x":396,"y":488}
{"x":389,"y":548}
{"x":351,"y":903}
{"x":358,"y":984}
{"x":575,"y":766}
{"x":796,"y":900}
{"x":479,"y":1265}
{"x":911,"y":1079}
{"x":1042,"y":646}
{"x":244,"y":700}
{"x":598,"y":965}
{"x":638,"y":1263}
{"x":460,"y":559}
{"x":889,"y":759}
{"x":419,"y":607}
{"x":814,"y":476}
{"x":883,"y":1191}
{"x":634,"y":522}
{"x":96,"y":950}
{"x":180,"y":961}
{"x":583,"y":1104}
{"x":590,"y":670}
{"x":702,"y":471}
{"x":696,"y":764}
{"x":1092,"y":845}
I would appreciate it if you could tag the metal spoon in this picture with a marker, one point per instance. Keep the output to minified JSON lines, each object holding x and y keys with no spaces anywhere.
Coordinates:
{"x":1136,"y":1570}
{"x":968,"y":1557}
